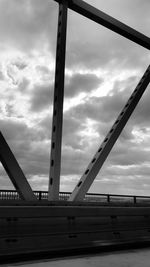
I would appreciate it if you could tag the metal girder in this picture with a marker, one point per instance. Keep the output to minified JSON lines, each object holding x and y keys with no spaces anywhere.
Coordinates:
{"x":70,"y":211}
{"x":55,"y":161}
{"x":107,"y":21}
{"x":14,"y":171}
{"x":32,"y":231}
{"x":106,"y":146}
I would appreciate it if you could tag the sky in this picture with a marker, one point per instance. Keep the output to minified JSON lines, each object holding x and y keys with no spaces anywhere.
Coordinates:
{"x":102,"y":70}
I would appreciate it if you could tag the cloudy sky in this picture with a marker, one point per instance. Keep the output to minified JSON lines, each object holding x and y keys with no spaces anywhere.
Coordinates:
{"x":102,"y":69}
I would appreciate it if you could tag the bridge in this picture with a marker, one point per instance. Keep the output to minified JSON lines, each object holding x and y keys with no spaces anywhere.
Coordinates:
{"x":36,"y":221}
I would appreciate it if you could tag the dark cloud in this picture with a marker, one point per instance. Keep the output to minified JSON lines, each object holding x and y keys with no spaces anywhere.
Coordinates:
{"x":27,"y":24}
{"x":1,"y":76}
{"x":20,"y":64}
{"x":45,"y":123}
{"x":71,"y":128}
{"x":73,"y":163}
{"x":127,"y":154}
{"x":41,"y":97}
{"x":23,"y":85}
{"x":142,"y":113}
{"x":13,"y":129}
{"x":81,"y":83}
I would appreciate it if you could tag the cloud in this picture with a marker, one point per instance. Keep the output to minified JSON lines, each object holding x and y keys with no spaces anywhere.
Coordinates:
{"x":41,"y":97}
{"x":23,"y":85}
{"x":142,"y":112}
{"x":20,"y":64}
{"x":1,"y":76}
{"x":43,"y":69}
{"x":71,"y":127}
{"x":25,"y":24}
{"x":81,"y":83}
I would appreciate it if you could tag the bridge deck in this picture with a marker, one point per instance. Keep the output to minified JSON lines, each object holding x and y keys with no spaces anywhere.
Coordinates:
{"x":134,"y":258}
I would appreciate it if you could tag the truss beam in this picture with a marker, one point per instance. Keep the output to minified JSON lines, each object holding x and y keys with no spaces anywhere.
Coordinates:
{"x":107,"y":21}
{"x":14,"y":171}
{"x":56,"y":140}
{"x":106,"y":146}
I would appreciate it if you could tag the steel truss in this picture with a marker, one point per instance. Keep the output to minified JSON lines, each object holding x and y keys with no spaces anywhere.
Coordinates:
{"x":93,"y":168}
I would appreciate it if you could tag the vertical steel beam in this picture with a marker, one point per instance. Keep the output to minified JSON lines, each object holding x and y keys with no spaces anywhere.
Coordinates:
{"x":14,"y":171}
{"x":56,"y":139}
{"x":106,"y":146}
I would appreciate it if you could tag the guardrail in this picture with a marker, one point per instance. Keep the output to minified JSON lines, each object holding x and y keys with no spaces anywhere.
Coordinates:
{"x":92,"y":197}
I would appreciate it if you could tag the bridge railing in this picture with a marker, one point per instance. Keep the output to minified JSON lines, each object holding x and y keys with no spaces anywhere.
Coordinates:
{"x":91,"y":197}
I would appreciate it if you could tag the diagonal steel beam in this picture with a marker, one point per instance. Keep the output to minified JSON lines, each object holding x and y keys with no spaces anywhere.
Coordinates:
{"x":107,"y":21}
{"x":99,"y":158}
{"x":56,"y":140}
{"x":14,"y":171}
